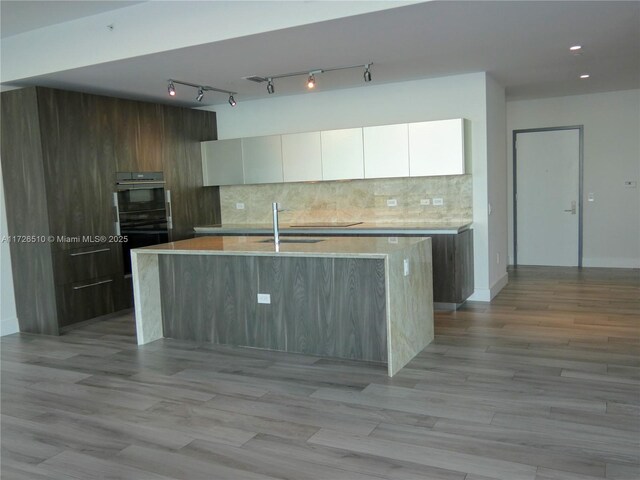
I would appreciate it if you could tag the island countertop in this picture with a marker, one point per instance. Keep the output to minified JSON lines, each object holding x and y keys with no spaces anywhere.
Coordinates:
{"x":346,"y":247}
{"x":364,"y":228}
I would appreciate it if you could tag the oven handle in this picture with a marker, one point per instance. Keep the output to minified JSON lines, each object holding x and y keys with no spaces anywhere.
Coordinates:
{"x":116,"y":212}
{"x":169,"y":211}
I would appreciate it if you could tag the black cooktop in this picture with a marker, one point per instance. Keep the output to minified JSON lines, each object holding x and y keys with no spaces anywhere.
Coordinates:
{"x":326,"y":224}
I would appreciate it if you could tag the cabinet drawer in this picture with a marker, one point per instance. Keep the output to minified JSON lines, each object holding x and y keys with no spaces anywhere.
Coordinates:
{"x":84,"y":300}
{"x":84,"y":263}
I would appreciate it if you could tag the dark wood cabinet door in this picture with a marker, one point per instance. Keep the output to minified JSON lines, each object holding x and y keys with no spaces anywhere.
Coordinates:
{"x":26,"y":207}
{"x":139,"y":136}
{"x":78,"y":161}
{"x":75,"y":265}
{"x":191,"y":204}
{"x":80,"y":301}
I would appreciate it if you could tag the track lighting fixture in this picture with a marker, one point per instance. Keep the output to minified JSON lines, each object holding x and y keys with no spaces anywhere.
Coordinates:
{"x":367,"y":73}
{"x":201,"y":89}
{"x":311,"y":81}
{"x":311,"y":76}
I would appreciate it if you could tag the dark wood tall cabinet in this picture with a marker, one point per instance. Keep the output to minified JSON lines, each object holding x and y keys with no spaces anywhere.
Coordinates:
{"x":60,"y":153}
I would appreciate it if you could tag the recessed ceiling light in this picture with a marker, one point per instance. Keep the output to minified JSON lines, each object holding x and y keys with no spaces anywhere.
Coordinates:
{"x":584,"y":75}
{"x":575,"y":48}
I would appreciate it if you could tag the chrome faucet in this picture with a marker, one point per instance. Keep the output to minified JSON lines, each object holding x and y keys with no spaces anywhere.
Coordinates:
{"x":276,"y":227}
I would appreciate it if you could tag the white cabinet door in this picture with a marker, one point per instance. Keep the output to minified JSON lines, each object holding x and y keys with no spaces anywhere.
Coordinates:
{"x":436,"y":148}
{"x":386,"y":151}
{"x":262,"y":159}
{"x":342,"y":154}
{"x":301,"y":157}
{"x":222,"y":162}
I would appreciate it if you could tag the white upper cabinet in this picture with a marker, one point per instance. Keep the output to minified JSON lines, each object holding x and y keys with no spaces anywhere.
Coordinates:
{"x":342,"y":154}
{"x":416,"y":149}
{"x":301,"y":157}
{"x":436,"y":148}
{"x":386,"y":151}
{"x":262,"y":159}
{"x":222,"y":162}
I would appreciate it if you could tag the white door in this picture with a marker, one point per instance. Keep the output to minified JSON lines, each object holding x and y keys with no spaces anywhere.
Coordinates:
{"x":547,"y":197}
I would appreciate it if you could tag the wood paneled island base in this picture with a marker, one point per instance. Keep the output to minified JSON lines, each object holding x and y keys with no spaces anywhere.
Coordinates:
{"x":358,"y":298}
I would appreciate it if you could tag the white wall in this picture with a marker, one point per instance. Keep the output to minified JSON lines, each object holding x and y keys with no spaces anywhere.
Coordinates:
{"x":611,"y":156}
{"x":432,"y":99}
{"x":497,"y":186}
{"x":8,"y":317}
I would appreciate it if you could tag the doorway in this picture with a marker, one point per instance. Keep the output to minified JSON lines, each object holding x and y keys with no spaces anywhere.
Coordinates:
{"x":547,"y":196}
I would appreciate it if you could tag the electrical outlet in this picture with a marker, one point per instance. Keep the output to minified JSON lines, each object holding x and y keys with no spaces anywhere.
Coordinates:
{"x":630,"y":184}
{"x":239,"y":206}
{"x":392,"y":202}
{"x":264,"y":298}
{"x":425,"y":201}
{"x":438,"y":201}
{"x":498,"y":258}
{"x":392,"y":239}
{"x":406,"y":267}
{"x":591,"y":197}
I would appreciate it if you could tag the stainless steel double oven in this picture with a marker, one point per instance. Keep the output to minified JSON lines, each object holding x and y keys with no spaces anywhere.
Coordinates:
{"x":143,"y":211}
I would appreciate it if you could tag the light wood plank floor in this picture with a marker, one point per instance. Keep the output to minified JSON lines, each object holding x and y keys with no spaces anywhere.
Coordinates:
{"x":543,"y":383}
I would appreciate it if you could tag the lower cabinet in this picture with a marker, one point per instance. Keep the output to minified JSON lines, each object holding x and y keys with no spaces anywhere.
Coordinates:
{"x":452,"y":267}
{"x":89,"y":282}
{"x":80,"y":301}
{"x":85,"y":263}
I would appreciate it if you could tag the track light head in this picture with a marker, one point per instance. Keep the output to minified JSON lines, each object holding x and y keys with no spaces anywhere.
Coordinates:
{"x":232,"y":101}
{"x":171,"y":89}
{"x":270,"y":88}
{"x":367,"y":73}
{"x":200,"y":94}
{"x":311,"y":81}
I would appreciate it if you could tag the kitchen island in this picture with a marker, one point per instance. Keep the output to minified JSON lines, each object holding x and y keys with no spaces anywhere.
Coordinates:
{"x":356,"y":298}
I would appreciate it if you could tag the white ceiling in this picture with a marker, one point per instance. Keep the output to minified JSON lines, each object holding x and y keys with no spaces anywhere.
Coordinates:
{"x":524,"y":45}
{"x":20,"y":16}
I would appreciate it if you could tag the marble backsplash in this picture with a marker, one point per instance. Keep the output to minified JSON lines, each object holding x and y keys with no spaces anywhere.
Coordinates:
{"x":352,"y":200}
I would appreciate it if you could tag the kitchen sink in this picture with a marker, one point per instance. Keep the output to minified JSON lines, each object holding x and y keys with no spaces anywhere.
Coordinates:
{"x":294,"y":240}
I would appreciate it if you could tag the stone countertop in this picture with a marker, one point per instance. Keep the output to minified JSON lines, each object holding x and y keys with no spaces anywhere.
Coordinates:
{"x":367,"y":228}
{"x":358,"y":247}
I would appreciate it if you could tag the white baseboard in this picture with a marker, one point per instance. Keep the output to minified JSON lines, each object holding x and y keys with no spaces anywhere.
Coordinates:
{"x":499,"y":284}
{"x":9,"y":326}
{"x":611,"y":262}
{"x":487,"y":294}
{"x":480,"y":295}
